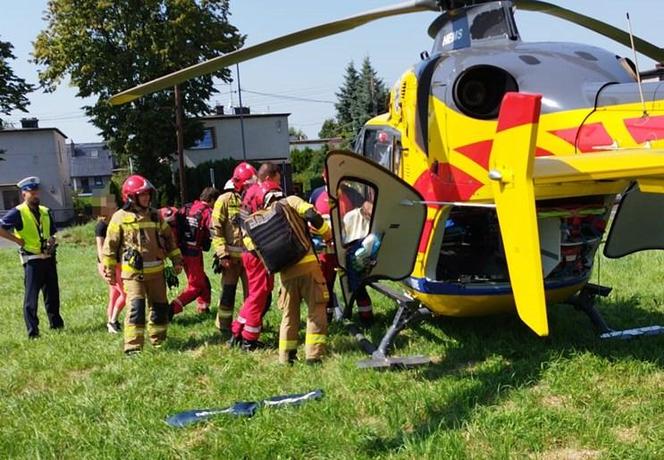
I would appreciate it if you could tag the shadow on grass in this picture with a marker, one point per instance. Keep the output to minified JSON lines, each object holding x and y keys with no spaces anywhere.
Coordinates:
{"x":524,"y":358}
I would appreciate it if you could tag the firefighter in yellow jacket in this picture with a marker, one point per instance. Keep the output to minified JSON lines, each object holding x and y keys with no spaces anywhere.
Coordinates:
{"x":139,"y":240}
{"x":227,"y":242}
{"x":280,"y":237}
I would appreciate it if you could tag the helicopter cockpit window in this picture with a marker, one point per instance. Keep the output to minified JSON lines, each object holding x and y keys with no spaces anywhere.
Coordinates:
{"x":356,"y":209}
{"x":378,"y":146}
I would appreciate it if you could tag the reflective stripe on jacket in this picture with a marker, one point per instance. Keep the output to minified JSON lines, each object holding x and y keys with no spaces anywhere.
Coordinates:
{"x":143,"y":233}
{"x":225,"y":226}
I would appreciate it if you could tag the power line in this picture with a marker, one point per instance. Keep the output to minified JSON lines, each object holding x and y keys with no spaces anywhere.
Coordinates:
{"x":292,"y":98}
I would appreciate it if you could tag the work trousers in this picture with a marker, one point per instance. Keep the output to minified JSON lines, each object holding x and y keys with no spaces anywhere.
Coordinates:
{"x":151,"y":293}
{"x":312,"y":289}
{"x":229,"y":279}
{"x":198,"y":284}
{"x":328,"y":265}
{"x":41,"y":275}
{"x":249,"y":322}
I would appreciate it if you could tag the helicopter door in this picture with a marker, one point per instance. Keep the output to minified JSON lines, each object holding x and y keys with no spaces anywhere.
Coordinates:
{"x":638,"y":224}
{"x":377,"y":221}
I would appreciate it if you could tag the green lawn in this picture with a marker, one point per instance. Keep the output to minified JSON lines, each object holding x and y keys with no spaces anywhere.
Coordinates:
{"x":495,"y":391}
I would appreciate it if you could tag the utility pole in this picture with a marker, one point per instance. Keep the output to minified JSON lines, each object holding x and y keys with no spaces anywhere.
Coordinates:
{"x":239,"y":95}
{"x":179,"y":129}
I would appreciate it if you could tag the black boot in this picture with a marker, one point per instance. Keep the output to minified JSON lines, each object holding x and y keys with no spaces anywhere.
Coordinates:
{"x":251,"y":345}
{"x":234,"y":341}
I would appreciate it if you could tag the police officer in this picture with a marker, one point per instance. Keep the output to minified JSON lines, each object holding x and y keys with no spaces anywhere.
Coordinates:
{"x":140,"y":240}
{"x":31,"y":226}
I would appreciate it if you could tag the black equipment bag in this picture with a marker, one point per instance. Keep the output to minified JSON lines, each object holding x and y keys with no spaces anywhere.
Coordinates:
{"x":279,"y":234}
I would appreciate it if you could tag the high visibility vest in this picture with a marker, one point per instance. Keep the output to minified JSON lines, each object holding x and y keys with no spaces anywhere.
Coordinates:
{"x":34,"y":233}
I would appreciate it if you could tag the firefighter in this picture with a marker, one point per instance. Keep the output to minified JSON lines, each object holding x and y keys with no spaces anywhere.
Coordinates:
{"x":348,"y":199}
{"x":30,"y":225}
{"x":227,"y":243}
{"x":247,"y":327}
{"x":280,"y":237}
{"x":139,"y":240}
{"x":193,"y":238}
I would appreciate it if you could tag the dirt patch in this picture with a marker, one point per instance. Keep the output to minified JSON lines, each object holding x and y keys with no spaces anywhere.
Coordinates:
{"x":627,"y":435}
{"x":569,"y":454}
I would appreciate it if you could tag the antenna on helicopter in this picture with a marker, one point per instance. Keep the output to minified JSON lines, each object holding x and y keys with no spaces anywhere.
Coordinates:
{"x":636,"y":64}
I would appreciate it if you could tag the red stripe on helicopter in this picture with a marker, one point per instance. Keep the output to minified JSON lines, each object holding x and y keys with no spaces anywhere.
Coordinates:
{"x":479,"y":152}
{"x":644,"y":129}
{"x":540,"y":152}
{"x":427,"y":230}
{"x":587,"y":137}
{"x":446,"y":183}
{"x":519,"y":109}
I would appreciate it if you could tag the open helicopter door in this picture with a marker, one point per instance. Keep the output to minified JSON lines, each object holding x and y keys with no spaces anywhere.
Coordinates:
{"x":639,"y":222}
{"x":377,"y":221}
{"x":370,"y":201}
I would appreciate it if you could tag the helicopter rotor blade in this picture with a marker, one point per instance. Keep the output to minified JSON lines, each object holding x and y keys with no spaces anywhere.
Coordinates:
{"x":646,"y":48}
{"x":270,"y":46}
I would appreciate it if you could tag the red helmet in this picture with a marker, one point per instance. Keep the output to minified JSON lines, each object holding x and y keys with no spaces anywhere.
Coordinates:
{"x":168,"y":214}
{"x":135,"y":185}
{"x":243,"y":175}
{"x":269,"y":191}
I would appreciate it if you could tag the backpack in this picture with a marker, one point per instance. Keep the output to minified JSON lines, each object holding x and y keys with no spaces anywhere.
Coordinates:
{"x":191,"y":229}
{"x":279,"y":234}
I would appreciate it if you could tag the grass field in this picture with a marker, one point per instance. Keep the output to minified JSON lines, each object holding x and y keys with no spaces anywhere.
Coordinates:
{"x":495,"y":390}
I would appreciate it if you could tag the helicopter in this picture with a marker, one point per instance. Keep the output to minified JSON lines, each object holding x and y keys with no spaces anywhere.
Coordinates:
{"x":492,"y":178}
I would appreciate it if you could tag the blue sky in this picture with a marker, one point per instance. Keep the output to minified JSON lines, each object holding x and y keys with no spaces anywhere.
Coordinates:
{"x":315,"y":70}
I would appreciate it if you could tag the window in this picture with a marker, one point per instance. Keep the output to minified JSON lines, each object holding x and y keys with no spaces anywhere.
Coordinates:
{"x":206,"y":142}
{"x":99,"y":181}
{"x":85,"y":185}
{"x":378,"y":145}
{"x":356,"y":207}
{"x":94,"y":153}
{"x":10,"y":199}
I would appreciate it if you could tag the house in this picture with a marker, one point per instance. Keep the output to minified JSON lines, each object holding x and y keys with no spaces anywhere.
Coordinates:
{"x":35,"y":151}
{"x":91,"y":167}
{"x":265,"y":137}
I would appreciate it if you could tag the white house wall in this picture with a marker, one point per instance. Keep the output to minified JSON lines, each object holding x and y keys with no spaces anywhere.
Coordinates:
{"x":266,"y":138}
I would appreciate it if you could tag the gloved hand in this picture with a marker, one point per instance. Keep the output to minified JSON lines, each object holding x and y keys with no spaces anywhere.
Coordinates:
{"x":220,"y":264}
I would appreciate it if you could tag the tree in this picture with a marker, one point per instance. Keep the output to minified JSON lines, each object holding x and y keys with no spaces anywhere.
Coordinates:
{"x":13,"y":90}
{"x":329,"y":129}
{"x":345,"y":100}
{"x":362,"y":96}
{"x":105,"y":46}
{"x":370,"y":96}
{"x":296,"y":134}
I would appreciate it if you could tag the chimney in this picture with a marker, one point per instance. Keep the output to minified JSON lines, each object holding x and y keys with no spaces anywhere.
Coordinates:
{"x":218,"y":109}
{"x":242,"y":111}
{"x":29,"y":123}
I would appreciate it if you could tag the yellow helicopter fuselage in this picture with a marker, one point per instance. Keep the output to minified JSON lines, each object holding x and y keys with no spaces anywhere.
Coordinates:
{"x":456,"y":153}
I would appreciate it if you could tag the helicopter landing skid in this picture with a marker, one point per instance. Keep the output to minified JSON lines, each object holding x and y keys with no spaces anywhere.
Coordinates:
{"x":408,"y":313}
{"x":585,"y":302}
